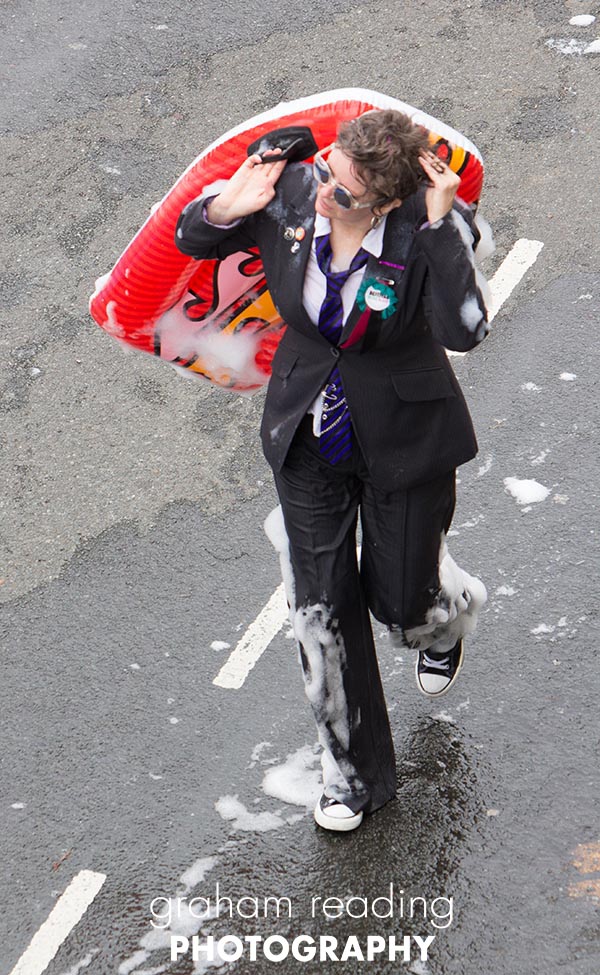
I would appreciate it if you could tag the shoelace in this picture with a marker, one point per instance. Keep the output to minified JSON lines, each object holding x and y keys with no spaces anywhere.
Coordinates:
{"x":442,"y":664}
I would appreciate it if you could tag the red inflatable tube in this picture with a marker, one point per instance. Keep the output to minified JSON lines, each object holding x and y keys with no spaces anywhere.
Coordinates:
{"x":216,"y":319}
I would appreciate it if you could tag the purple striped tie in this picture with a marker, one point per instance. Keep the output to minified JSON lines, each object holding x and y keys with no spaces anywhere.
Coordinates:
{"x":335,"y":442}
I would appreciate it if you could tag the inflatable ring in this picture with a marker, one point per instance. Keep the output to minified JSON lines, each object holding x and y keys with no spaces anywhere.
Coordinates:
{"x":216,"y":319}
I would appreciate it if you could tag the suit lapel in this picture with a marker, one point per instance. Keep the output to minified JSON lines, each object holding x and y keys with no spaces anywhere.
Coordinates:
{"x":372,"y":270}
{"x":300,"y":215}
{"x":389,"y":267}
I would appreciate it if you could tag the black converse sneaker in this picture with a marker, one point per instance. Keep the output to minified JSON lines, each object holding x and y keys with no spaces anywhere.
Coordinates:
{"x":334,"y":815}
{"x":436,"y":672}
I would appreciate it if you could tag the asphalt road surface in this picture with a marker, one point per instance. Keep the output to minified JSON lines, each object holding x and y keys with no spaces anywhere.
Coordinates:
{"x":132,"y":553}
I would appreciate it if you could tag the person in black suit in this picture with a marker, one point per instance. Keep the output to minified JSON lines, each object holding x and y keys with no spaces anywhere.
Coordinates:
{"x":369,"y":260}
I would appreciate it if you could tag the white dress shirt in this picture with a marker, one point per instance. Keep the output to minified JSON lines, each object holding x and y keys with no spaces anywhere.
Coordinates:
{"x":315,"y":288}
{"x":315,"y":282}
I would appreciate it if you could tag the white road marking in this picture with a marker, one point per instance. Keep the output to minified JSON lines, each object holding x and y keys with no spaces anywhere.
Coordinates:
{"x":268,"y":623}
{"x":254,"y":642}
{"x":66,"y":913}
{"x":514,"y":267}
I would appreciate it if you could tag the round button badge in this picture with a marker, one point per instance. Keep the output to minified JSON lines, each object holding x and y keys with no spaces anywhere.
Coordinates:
{"x":376,"y":299}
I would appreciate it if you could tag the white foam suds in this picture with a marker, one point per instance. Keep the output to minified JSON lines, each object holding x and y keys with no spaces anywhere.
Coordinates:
{"x":486,"y":466}
{"x":257,"y":753}
{"x":224,"y":356}
{"x":112,"y":325}
{"x":456,"y":608}
{"x":530,"y":388}
{"x":470,"y":313}
{"x":566,"y":45}
{"x":275,"y":531}
{"x":130,"y":964}
{"x":444,"y":716}
{"x":176,"y":916}
{"x":465,"y":232}
{"x":541,"y":457}
{"x":542,"y":628}
{"x":220,"y":645}
{"x":486,"y":246}
{"x":195,"y":874}
{"x":80,"y":965}
{"x":568,"y":377}
{"x":419,"y":967}
{"x":593,"y":48}
{"x":297,"y":780}
{"x":526,"y":491}
{"x":204,"y":964}
{"x":505,"y":591}
{"x":184,"y":921}
{"x":233,"y":811}
{"x":325,"y":652}
{"x":18,"y":805}
{"x":100,"y":283}
{"x":582,"y":20}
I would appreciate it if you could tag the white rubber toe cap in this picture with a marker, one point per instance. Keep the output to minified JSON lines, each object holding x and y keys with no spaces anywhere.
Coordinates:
{"x":337,"y":817}
{"x":433,"y":683}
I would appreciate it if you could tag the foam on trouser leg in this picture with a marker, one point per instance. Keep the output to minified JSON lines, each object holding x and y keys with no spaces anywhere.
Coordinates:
{"x":274,"y":526}
{"x":324,"y":661}
{"x":323,"y":658}
{"x":454,"y":611}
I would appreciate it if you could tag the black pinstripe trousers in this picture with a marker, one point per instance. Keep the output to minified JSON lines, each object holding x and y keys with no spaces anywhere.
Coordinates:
{"x":397,"y":579}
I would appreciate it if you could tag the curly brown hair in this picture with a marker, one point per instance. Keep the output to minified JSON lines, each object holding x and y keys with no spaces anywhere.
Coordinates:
{"x":384,"y":146}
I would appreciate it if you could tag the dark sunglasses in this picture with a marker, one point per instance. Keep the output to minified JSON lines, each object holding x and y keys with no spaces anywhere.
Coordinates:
{"x":341,"y":195}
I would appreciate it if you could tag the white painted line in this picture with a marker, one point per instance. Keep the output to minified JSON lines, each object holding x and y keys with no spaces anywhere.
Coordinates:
{"x":66,"y":913}
{"x":514,"y":267}
{"x":254,"y":642}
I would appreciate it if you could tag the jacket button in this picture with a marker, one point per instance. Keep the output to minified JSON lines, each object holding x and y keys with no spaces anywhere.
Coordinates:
{"x":335,"y":352}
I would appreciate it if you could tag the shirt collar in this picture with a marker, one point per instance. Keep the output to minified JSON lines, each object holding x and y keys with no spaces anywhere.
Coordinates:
{"x":372,"y":241}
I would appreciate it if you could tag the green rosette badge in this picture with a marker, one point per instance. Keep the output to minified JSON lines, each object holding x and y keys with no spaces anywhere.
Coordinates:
{"x":377,"y":295}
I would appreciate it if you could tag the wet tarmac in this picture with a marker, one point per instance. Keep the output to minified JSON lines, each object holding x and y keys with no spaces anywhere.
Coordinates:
{"x":132,"y":543}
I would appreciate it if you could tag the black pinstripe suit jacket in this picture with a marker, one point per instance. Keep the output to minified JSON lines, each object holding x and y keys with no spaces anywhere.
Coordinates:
{"x":408,"y":412}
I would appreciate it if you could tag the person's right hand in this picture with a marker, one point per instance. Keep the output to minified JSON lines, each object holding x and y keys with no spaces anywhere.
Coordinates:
{"x":250,"y":188}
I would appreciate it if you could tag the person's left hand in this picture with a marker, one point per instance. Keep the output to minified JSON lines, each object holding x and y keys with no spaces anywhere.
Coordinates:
{"x":439,"y":196}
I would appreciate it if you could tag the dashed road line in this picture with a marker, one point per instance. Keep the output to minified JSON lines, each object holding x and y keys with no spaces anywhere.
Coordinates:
{"x":513,"y":269}
{"x":254,"y":642}
{"x":268,"y":623}
{"x":66,"y":913}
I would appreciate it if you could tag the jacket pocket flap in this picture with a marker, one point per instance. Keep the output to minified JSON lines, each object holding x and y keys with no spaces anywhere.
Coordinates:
{"x":423,"y":384}
{"x":283,"y":362}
